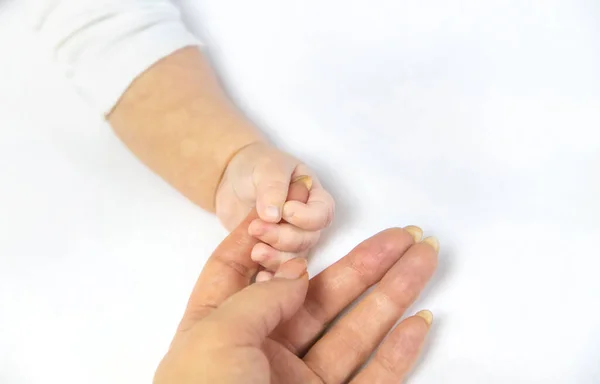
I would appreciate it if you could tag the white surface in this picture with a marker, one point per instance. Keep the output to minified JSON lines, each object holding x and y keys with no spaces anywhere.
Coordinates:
{"x":477,"y":120}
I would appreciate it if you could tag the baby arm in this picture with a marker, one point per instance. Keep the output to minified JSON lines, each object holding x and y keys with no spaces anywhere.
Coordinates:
{"x":135,"y":61}
{"x":175,"y":118}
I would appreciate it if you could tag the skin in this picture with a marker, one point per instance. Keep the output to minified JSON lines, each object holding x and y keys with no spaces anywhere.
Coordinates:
{"x":276,"y":331}
{"x":176,"y":118}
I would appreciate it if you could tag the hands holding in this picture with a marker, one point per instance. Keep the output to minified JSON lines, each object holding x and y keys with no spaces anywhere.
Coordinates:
{"x":272,"y":331}
{"x":259,"y":176}
{"x":177,"y":120}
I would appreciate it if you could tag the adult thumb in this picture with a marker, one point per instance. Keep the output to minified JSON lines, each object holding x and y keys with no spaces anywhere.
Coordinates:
{"x":248,"y":317}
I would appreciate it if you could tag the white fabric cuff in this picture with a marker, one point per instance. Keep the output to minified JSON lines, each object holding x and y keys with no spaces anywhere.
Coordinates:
{"x":102,"y":46}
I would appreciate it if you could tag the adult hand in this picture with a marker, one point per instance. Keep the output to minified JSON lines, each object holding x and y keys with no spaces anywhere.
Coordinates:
{"x":272,"y":331}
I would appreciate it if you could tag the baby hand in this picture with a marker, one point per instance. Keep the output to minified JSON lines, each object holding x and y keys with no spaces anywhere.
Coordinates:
{"x":260,"y":176}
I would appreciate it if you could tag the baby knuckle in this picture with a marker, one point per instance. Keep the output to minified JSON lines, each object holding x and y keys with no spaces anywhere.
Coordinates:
{"x":327,"y":218}
{"x":305,"y":242}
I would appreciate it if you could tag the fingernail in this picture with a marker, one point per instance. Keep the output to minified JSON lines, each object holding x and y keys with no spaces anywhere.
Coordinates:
{"x":272,"y":212}
{"x":263,"y":276}
{"x":306,"y":180}
{"x":292,"y":269}
{"x":426,"y":315}
{"x":415,"y":232}
{"x":433,"y":242}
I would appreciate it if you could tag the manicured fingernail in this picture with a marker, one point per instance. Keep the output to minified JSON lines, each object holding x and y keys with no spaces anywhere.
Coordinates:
{"x":263,"y":276}
{"x":306,"y":180}
{"x":433,"y":242}
{"x":292,"y":269}
{"x":272,"y":212}
{"x":426,"y":315}
{"x":415,"y":232}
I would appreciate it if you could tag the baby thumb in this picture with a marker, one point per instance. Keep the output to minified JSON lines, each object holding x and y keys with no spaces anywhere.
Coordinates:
{"x":249,"y":316}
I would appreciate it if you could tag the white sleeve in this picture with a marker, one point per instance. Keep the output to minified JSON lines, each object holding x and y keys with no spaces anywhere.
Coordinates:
{"x":103,"y":45}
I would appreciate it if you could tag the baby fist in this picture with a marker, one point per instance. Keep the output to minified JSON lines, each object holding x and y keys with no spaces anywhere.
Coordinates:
{"x":260,"y":176}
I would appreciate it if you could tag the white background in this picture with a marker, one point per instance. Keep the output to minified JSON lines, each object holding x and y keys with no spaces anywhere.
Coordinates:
{"x":477,"y":120}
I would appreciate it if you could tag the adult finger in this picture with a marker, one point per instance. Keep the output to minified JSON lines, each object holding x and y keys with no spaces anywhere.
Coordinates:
{"x":300,"y":188}
{"x":340,"y":284}
{"x":228,"y":270}
{"x":399,"y":352}
{"x":354,"y":337}
{"x":230,"y":267}
{"x":249,"y":316}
